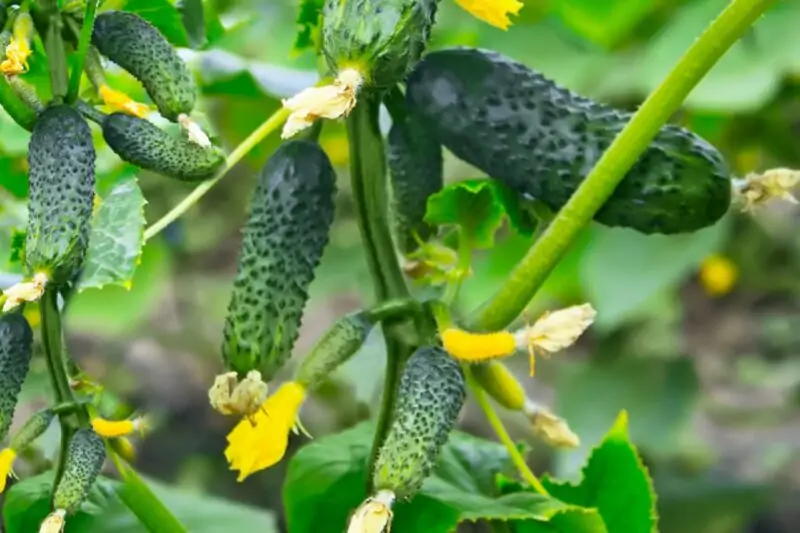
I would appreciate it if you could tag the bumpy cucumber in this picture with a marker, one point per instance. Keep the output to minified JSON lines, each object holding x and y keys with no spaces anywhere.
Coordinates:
{"x":290,"y":217}
{"x":415,"y":165}
{"x":140,"y":142}
{"x":85,"y":456}
{"x":32,"y":429}
{"x":61,"y":158}
{"x":542,"y":140}
{"x":333,"y":349}
{"x":137,"y":46}
{"x":381,"y":39}
{"x":431,"y":394}
{"x":16,"y":340}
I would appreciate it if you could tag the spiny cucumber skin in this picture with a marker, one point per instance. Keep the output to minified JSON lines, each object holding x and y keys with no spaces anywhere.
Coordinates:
{"x":290,"y":218}
{"x":33,"y":428}
{"x":61,"y":159}
{"x":414,"y":158}
{"x":140,"y":142}
{"x":85,"y":457}
{"x":137,"y":46}
{"x":335,"y":347}
{"x":383,"y":39}
{"x":16,"y":348}
{"x":542,"y":140}
{"x":431,"y":394}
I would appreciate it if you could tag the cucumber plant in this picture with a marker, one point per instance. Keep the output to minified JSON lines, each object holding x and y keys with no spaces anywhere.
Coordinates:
{"x":568,"y":158}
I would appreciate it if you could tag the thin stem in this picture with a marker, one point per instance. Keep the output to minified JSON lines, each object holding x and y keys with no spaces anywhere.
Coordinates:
{"x":512,"y":297}
{"x":462,"y":268}
{"x":391,"y":309}
{"x":502,"y":434}
{"x":83,"y":46}
{"x":56,"y":57}
{"x":258,"y":135}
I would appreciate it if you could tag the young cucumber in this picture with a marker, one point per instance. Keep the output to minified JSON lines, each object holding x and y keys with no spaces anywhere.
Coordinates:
{"x":61,"y":159}
{"x":85,"y":456}
{"x":432,"y":392}
{"x":16,"y":348}
{"x":137,"y":46}
{"x":140,"y":142}
{"x":415,"y":165}
{"x":542,"y":140}
{"x":290,"y":218}
{"x":382,"y":40}
{"x":33,"y":428}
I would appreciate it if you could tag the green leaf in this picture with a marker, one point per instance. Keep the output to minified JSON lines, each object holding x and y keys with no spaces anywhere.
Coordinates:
{"x":606,"y":22}
{"x":479,"y":207}
{"x":326,"y":479}
{"x":615,"y":482}
{"x":309,"y":16}
{"x":117,"y":238}
{"x":201,"y":22}
{"x":164,"y":16}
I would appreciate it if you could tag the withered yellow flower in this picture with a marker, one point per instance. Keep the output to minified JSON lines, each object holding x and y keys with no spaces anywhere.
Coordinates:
{"x":194,"y":131}
{"x":25,"y":291}
{"x":327,"y":101}
{"x":229,"y":396}
{"x":7,"y":458}
{"x":552,"y":429}
{"x":374,"y":515}
{"x":54,"y":523}
{"x":18,"y":49}
{"x":718,"y":275}
{"x":776,"y":183}
{"x":260,"y":441}
{"x":495,"y":12}
{"x":120,"y":101}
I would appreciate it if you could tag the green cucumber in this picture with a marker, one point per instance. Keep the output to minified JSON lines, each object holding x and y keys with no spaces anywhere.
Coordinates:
{"x":336,"y":346}
{"x":61,"y":159}
{"x":431,"y":393}
{"x":32,"y":429}
{"x":381,"y":39}
{"x":86,"y":454}
{"x":290,"y":218}
{"x":542,"y":140}
{"x":140,"y":142}
{"x":16,"y":348}
{"x":137,"y":46}
{"x":414,"y":159}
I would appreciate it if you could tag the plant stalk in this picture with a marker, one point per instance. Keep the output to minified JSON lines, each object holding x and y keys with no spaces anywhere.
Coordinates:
{"x":515,"y":294}
{"x":83,"y":46}
{"x":56,"y":57}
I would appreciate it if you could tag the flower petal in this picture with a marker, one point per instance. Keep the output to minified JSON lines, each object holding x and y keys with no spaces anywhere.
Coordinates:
{"x":468,"y":346}
{"x":495,"y":12}
{"x":7,"y":457}
{"x":328,"y":101}
{"x":555,"y":331}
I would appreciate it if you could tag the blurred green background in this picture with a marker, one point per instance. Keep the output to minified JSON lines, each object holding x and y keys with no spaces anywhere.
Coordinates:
{"x":707,"y":369}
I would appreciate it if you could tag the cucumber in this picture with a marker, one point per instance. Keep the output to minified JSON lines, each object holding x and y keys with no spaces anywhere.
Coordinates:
{"x":140,"y":142}
{"x":431,"y":394}
{"x":32,"y":429}
{"x":542,"y":140}
{"x":334,"y":348}
{"x":86,"y":454}
{"x":414,"y":158}
{"x":16,"y":348}
{"x":61,"y":158}
{"x":381,"y":39}
{"x":137,"y":46}
{"x":290,"y":217}
{"x":497,"y":380}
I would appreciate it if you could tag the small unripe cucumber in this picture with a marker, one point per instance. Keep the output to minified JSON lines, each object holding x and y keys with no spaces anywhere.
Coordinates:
{"x":32,"y":429}
{"x":542,"y":140}
{"x":431,"y":394}
{"x":61,"y":159}
{"x":140,"y":142}
{"x":414,"y":157}
{"x":382,"y":40}
{"x":86,"y":454}
{"x":16,"y":348}
{"x":290,"y":218}
{"x":334,"y":348}
{"x":137,"y":46}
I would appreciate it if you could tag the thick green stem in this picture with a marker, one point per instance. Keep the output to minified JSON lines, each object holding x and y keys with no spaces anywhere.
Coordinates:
{"x":83,"y":46}
{"x":512,"y":297}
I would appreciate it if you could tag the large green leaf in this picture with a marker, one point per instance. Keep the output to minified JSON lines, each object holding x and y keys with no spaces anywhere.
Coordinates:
{"x":606,"y":22}
{"x":615,"y":482}
{"x":201,"y":22}
{"x":117,"y":238}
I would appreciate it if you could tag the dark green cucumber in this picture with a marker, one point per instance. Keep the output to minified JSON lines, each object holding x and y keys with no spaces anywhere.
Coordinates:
{"x":431,"y":394}
{"x":381,"y":39}
{"x":140,"y":142}
{"x":32,"y":429}
{"x":542,"y":140}
{"x":61,"y":159}
{"x":16,"y":348}
{"x":336,"y":346}
{"x":137,"y":46}
{"x":86,"y":454}
{"x":414,"y":157}
{"x":290,"y":217}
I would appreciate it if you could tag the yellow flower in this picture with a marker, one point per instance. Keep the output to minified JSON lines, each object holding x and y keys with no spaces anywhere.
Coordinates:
{"x":374,"y":515}
{"x":18,"y":50}
{"x":552,"y":429}
{"x":194,"y":131}
{"x":25,"y":291}
{"x":475,"y":347}
{"x":7,"y":457}
{"x":495,"y":12}
{"x":120,"y":101}
{"x":260,"y":441}
{"x":117,"y":428}
{"x":229,"y":396}
{"x":718,"y":275}
{"x":758,"y":189}
{"x":328,"y":101}
{"x":54,"y":523}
